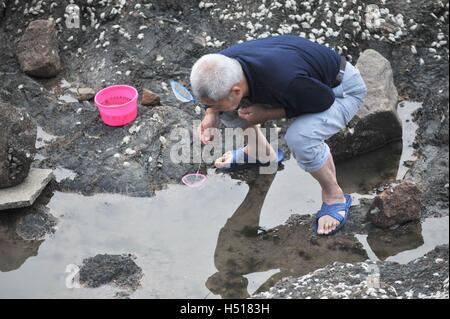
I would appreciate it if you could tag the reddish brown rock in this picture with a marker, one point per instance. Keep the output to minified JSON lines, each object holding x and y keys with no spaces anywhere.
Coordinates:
{"x":150,"y":98}
{"x":396,"y":206}
{"x":37,"y":50}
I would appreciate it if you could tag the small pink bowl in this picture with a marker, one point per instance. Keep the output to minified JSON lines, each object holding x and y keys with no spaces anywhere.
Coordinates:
{"x":117,"y":104}
{"x":194,"y":180}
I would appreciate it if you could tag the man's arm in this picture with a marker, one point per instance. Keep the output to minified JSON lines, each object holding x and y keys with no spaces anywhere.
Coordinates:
{"x":211,"y":120}
{"x":258,"y":114}
{"x":276,"y":113}
{"x":211,"y":112}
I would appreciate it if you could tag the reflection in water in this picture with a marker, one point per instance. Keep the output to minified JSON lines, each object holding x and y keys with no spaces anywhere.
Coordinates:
{"x":361,"y":174}
{"x":386,"y":243}
{"x":22,"y":231}
{"x":435,"y":232}
{"x":390,"y":163}
{"x":407,"y":242}
{"x":173,"y":235}
{"x":242,"y":248}
{"x":405,"y":112}
{"x":14,"y":250}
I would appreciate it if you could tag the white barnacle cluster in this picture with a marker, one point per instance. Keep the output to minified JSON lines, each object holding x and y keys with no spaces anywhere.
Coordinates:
{"x":99,"y":14}
{"x":355,"y":281}
{"x":291,"y":4}
{"x":440,"y":42}
{"x":342,"y":24}
{"x":122,"y":31}
{"x":103,"y":11}
{"x":212,"y":42}
{"x":33,"y":8}
{"x":206,"y":5}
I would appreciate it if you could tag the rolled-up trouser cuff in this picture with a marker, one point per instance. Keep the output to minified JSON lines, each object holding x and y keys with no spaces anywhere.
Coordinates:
{"x":319,"y":161}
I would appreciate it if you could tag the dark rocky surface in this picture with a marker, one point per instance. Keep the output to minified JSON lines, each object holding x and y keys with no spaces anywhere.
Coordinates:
{"x":17,"y":145}
{"x":423,"y":278}
{"x":118,"y":270}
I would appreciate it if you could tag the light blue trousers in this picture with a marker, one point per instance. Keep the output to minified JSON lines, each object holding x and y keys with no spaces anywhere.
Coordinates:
{"x":307,"y":134}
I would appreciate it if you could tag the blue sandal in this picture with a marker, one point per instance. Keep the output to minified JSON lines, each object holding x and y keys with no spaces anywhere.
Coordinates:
{"x":248,"y":161}
{"x":333,"y":211}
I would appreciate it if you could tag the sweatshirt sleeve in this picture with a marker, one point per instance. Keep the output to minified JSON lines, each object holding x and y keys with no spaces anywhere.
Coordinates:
{"x":307,"y":95}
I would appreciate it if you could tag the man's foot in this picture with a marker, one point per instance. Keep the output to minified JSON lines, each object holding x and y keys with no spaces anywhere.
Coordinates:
{"x":327,"y":224}
{"x":225,"y":160}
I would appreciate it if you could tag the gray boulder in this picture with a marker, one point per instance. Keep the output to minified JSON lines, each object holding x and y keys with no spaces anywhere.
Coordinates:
{"x":37,"y":50}
{"x":377,"y":123}
{"x":17,"y":145}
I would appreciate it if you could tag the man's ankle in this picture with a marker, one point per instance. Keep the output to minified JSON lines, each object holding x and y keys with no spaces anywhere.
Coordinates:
{"x":333,"y":197}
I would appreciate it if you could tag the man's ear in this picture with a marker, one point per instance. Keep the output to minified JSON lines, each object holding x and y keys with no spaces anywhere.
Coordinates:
{"x":236,"y":90}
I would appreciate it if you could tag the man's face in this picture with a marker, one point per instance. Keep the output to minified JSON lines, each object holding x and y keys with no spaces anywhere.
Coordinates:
{"x":228,"y":104}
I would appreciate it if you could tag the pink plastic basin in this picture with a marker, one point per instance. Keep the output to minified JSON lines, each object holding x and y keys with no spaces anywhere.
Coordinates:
{"x":117,"y":104}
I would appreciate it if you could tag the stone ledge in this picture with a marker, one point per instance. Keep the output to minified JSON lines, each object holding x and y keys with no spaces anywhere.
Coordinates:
{"x":25,"y":194}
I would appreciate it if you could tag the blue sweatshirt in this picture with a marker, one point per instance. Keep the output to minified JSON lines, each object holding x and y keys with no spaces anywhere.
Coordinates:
{"x":289,"y":72}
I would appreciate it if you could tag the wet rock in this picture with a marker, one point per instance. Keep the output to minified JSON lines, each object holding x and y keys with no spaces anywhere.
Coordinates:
{"x":377,"y":122}
{"x":17,"y":145}
{"x":150,"y":98}
{"x":431,"y":173}
{"x":119,"y":270}
{"x":36,"y":226}
{"x":37,"y":51}
{"x":423,"y":278}
{"x":85,"y":94}
{"x":396,"y":206}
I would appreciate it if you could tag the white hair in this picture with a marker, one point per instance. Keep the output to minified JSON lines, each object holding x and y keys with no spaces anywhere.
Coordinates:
{"x":214,"y":75}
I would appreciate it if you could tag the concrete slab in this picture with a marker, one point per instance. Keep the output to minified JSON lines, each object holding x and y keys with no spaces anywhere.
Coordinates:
{"x":25,"y":194}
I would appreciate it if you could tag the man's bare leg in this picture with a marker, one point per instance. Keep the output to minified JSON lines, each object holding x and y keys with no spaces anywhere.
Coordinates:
{"x":331,"y":194}
{"x":260,"y":143}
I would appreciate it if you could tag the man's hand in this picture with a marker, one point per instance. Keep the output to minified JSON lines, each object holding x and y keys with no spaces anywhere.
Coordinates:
{"x":256,"y":114}
{"x":210,"y":121}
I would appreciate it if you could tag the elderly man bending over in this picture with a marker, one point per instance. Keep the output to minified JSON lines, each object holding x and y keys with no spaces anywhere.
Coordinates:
{"x":283,"y":77}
